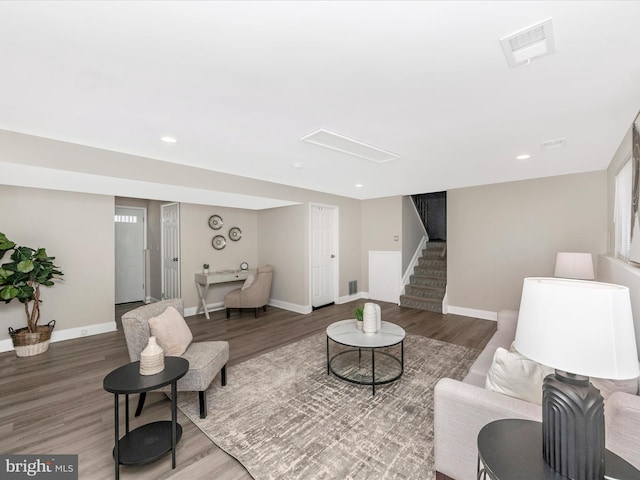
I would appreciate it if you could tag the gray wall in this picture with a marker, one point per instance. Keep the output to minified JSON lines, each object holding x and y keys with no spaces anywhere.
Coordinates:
{"x":78,"y":230}
{"x":499,"y":234}
{"x":381,"y":222}
{"x":196,"y":248}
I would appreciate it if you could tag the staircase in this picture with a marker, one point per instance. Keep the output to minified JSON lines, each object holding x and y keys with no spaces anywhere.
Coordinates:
{"x":426,"y":287}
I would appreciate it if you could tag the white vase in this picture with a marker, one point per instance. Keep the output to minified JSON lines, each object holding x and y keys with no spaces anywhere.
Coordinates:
{"x":205,"y":271}
{"x":359,"y":324}
{"x":371,"y":318}
{"x":151,"y":358}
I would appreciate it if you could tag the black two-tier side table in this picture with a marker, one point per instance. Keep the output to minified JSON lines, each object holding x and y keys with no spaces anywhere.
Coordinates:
{"x":511,"y":449}
{"x":148,"y":442}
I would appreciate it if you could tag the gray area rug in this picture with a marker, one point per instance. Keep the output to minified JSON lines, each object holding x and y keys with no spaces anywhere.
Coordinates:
{"x":283,"y":417}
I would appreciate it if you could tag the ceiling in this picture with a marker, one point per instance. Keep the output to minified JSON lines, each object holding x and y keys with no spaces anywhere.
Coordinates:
{"x":240,"y":83}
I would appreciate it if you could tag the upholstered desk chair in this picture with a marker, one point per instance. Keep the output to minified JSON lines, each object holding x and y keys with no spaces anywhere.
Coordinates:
{"x":206,"y":359}
{"x":253,"y":294}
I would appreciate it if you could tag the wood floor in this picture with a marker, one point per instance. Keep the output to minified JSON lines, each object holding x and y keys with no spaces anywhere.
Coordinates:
{"x":54,"y":403}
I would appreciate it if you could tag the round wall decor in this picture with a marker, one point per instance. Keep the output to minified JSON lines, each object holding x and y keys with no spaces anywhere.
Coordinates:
{"x":235,"y":234}
{"x":244,"y":266}
{"x":215,"y":222}
{"x":218,"y":242}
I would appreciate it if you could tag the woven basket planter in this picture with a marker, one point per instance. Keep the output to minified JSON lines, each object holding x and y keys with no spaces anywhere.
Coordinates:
{"x":28,"y":344}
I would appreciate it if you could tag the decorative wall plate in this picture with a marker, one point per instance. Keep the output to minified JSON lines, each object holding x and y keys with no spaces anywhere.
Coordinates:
{"x":218,"y":242}
{"x":215,"y":222}
{"x":244,"y":266}
{"x":235,"y":234}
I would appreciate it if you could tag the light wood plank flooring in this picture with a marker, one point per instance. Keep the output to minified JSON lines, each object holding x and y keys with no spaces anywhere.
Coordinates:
{"x":54,"y":403}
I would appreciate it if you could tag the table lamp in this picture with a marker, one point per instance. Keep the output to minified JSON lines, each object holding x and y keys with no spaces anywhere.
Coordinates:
{"x":574,"y":265}
{"x":581,"y":329}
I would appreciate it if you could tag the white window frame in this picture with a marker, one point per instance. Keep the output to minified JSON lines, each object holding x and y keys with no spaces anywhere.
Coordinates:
{"x":623,"y":210}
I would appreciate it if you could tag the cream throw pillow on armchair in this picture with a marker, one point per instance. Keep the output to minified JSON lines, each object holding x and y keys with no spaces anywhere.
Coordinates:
{"x":171,"y":332}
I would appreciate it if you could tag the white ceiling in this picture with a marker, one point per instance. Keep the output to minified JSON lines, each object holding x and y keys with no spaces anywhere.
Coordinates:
{"x":239,"y":83}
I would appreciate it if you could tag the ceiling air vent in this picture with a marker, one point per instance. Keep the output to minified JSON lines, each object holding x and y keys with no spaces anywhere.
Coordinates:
{"x":334,"y":141}
{"x":554,"y":144}
{"x":529,"y":44}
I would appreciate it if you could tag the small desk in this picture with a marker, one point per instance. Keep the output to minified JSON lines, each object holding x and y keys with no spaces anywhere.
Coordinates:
{"x":223,"y":276}
{"x":148,"y":442}
{"x":511,"y":449}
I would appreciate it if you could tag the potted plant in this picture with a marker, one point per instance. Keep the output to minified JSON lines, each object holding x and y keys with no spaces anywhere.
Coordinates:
{"x":21,"y":278}
{"x":205,"y":268}
{"x":359,"y":314}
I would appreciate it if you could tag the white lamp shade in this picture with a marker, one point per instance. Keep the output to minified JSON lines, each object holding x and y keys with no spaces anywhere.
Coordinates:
{"x":574,"y":265}
{"x":577,"y":326}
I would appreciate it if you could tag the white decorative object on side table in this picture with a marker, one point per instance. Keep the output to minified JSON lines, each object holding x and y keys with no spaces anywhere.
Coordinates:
{"x":151,"y":358}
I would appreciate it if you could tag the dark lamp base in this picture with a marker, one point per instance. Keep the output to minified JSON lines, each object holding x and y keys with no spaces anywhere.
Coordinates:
{"x":573,"y":426}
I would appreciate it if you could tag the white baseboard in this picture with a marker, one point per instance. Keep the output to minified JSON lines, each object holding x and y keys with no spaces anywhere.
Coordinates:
{"x":472,"y":312}
{"x":69,"y":333}
{"x":351,"y":298}
{"x":214,"y":307}
{"x":292,"y":307}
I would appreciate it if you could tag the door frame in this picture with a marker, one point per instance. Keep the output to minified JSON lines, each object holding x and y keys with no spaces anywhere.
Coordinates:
{"x":336,"y":246}
{"x":145,"y":265}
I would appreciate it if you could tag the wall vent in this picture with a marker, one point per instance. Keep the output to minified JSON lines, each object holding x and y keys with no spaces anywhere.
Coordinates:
{"x":529,"y":44}
{"x":353,"y":287}
{"x":335,"y":141}
{"x":554,"y":144}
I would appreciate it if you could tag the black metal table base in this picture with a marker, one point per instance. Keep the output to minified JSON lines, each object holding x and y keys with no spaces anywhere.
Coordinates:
{"x":364,"y":376}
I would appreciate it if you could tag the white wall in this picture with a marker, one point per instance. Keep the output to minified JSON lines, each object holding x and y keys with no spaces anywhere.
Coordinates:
{"x":499,"y":234}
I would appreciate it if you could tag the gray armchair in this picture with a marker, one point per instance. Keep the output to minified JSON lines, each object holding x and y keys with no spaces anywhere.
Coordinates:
{"x":256,"y":296}
{"x":206,"y":359}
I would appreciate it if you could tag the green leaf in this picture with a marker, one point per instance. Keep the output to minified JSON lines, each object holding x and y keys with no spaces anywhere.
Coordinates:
{"x":25,"y":266}
{"x":8,"y":292}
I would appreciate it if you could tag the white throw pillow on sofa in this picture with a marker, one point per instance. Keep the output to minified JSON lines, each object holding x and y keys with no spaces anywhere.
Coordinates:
{"x":517,"y":376}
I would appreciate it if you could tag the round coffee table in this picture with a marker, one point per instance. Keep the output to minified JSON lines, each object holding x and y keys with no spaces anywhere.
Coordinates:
{"x":350,"y":365}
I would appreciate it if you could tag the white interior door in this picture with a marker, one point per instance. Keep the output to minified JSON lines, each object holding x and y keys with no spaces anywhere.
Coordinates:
{"x":323,"y":248}
{"x":170,"y":245}
{"x":130,"y":256}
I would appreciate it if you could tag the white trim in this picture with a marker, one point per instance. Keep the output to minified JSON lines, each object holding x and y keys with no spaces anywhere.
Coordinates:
{"x":69,"y":334}
{"x":211,"y":307}
{"x":472,"y":312}
{"x":292,"y":307}
{"x":351,"y":298}
{"x":217,"y":306}
{"x":445,"y":301}
{"x":412,"y":264}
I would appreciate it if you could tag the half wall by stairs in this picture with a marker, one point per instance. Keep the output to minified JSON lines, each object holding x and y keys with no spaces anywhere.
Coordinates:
{"x":427,"y":285}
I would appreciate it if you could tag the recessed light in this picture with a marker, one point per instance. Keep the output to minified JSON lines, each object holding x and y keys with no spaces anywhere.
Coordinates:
{"x":168,"y":139}
{"x":523,"y":157}
{"x":297,"y":165}
{"x":359,"y":185}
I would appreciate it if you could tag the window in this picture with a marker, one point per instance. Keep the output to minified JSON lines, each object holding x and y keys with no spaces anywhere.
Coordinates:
{"x":623,"y":211}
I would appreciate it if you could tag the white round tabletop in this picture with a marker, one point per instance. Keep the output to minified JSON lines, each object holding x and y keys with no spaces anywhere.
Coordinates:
{"x":347,"y":333}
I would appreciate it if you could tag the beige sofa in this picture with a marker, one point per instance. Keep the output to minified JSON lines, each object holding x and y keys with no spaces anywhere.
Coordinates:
{"x":462,"y":408}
